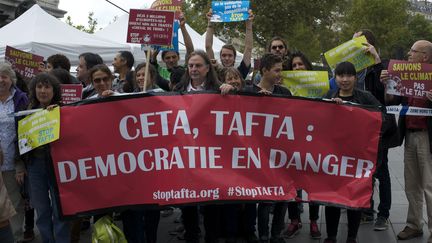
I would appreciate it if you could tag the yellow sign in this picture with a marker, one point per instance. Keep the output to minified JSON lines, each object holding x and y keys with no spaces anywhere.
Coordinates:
{"x":351,"y":51}
{"x":306,"y":83}
{"x":38,"y":129}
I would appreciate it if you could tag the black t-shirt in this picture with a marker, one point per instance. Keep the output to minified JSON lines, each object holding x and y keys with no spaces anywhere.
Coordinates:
{"x":243,"y":69}
{"x":347,"y":98}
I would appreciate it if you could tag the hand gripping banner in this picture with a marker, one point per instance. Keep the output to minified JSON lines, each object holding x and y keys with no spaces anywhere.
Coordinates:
{"x":193,"y":148}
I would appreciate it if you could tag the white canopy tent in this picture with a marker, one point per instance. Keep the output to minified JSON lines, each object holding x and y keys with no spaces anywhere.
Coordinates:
{"x":117,"y":32}
{"x":39,"y":33}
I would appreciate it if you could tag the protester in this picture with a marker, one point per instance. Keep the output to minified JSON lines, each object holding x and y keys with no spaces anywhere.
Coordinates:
{"x":228,"y":52}
{"x":142,"y":225}
{"x":418,"y":147}
{"x":44,"y":93}
{"x":200,"y":76}
{"x":122,"y":63}
{"x":271,"y":74}
{"x":346,"y":78}
{"x":87,"y":60}
{"x":369,"y":79}
{"x":12,"y":100}
{"x":171,"y":57}
{"x":6,"y":210}
{"x":298,"y":61}
{"x":102,"y":80}
{"x":60,"y":61}
{"x":279,"y":47}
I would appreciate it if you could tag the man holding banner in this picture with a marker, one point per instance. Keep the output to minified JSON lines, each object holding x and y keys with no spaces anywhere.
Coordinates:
{"x":417,"y":131}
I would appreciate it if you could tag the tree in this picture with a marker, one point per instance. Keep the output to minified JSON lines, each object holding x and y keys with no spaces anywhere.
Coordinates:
{"x":92,"y":23}
{"x":387,"y":19}
{"x":299,"y":22}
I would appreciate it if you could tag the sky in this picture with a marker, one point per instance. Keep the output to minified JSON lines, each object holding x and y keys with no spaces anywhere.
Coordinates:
{"x":104,"y":12}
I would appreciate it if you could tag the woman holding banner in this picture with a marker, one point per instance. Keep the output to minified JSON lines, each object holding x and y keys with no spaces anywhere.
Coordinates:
{"x":44,"y":92}
{"x":141,"y":225}
{"x":346,"y":78}
{"x":296,"y":62}
{"x":102,"y":79}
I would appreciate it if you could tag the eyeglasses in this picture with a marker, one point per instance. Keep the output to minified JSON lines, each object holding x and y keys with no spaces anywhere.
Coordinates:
{"x":197,"y":65}
{"x":415,"y":51}
{"x":277,"y":47}
{"x":104,"y":79}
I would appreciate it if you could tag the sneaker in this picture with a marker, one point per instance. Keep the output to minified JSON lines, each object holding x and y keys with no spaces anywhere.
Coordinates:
{"x":28,"y":236}
{"x":409,"y":233}
{"x":381,"y":224}
{"x":292,"y":230}
{"x":367,"y":219}
{"x":314,"y":230}
{"x":328,"y":240}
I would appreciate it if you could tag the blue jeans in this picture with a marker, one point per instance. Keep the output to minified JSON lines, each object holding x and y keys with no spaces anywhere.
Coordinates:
{"x":43,"y":199}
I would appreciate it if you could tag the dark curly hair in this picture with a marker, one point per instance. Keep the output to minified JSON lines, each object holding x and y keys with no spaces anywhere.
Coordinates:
{"x":46,"y":79}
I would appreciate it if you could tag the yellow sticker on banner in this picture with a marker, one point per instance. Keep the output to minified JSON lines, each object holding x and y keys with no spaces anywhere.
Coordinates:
{"x":306,"y":83}
{"x":351,"y":51}
{"x":37,"y":129}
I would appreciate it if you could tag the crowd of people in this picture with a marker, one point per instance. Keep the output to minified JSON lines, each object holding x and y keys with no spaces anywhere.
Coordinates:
{"x":26,"y":183}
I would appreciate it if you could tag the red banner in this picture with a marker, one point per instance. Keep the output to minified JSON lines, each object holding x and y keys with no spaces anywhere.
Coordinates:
{"x":409,"y":79}
{"x":71,"y":93}
{"x":25,"y":63}
{"x":150,"y":27}
{"x":180,"y":149}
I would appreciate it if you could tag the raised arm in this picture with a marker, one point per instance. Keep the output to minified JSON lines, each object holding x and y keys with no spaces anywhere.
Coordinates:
{"x":209,"y":36}
{"x":186,"y":37}
{"x":247,"y":54}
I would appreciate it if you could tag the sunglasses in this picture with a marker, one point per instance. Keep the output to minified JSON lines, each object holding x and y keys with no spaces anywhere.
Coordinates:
{"x":104,"y":79}
{"x":277,"y":47}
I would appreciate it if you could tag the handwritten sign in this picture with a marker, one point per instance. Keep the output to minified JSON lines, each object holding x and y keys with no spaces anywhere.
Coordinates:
{"x":230,"y":11}
{"x":351,"y":51}
{"x":25,"y":63}
{"x":37,"y":129}
{"x":409,"y":79}
{"x":168,"y":5}
{"x":306,"y":83}
{"x":150,"y":27}
{"x":71,"y":93}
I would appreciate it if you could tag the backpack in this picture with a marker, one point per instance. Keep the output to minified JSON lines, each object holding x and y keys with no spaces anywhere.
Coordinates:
{"x":105,"y":231}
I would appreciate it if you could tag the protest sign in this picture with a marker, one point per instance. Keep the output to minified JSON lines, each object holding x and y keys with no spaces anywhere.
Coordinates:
{"x":38,"y":129}
{"x":213,"y":147}
{"x":351,"y":51}
{"x":229,"y":11}
{"x":25,"y":63}
{"x":409,"y":79}
{"x":71,"y":93}
{"x":306,"y":83}
{"x":150,"y":27}
{"x":168,"y":5}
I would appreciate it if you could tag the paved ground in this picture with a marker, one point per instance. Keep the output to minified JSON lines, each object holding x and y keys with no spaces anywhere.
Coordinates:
{"x":366,"y":233}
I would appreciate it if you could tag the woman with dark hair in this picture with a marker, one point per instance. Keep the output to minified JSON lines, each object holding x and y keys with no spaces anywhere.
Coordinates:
{"x":298,"y":61}
{"x":101,"y":78}
{"x":346,"y":77}
{"x":45,"y":92}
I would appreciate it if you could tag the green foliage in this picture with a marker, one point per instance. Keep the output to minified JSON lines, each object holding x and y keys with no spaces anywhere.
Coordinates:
{"x":92,"y":24}
{"x":317,"y":26}
{"x":387,"y":19}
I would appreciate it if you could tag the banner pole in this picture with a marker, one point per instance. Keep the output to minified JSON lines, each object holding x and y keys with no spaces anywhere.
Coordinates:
{"x":146,"y":77}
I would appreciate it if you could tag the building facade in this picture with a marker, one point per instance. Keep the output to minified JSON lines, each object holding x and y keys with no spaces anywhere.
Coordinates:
{"x":10,"y":9}
{"x":422,"y":7}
